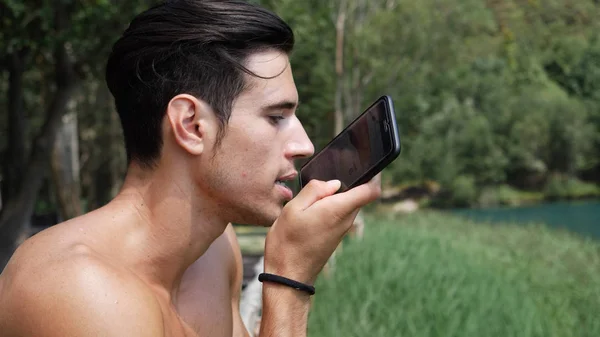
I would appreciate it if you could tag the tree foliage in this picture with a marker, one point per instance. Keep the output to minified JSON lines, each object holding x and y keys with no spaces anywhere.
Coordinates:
{"x":487,"y":93}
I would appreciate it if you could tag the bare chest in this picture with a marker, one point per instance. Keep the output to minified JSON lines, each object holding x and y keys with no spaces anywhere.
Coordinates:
{"x":197,"y":314}
{"x":207,"y":311}
{"x":205,"y":303}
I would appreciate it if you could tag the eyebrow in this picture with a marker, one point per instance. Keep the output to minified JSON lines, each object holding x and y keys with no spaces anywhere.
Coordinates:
{"x":283,"y":105}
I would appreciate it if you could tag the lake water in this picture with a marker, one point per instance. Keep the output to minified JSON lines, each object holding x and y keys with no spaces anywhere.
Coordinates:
{"x":582,"y":217}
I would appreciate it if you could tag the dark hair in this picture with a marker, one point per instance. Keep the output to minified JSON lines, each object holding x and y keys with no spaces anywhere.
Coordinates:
{"x":185,"y":46}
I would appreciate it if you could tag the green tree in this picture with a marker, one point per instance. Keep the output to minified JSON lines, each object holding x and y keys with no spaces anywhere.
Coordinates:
{"x":56,"y":46}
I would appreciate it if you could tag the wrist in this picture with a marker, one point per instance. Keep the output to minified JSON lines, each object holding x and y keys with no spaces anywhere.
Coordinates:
{"x":278,"y":291}
{"x":291,"y":274}
{"x":284,"y":311}
{"x":266,"y":277}
{"x":288,"y":270}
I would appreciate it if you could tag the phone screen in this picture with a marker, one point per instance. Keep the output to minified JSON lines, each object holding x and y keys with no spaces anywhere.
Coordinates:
{"x":355,"y":151}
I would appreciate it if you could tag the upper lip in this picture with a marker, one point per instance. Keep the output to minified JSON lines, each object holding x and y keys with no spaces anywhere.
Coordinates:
{"x":288,"y":176}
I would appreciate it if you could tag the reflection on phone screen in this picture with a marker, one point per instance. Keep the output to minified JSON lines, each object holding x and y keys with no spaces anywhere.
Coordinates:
{"x":354,"y":151}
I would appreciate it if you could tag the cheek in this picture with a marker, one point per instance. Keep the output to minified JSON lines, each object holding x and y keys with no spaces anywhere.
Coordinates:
{"x":250,"y":153}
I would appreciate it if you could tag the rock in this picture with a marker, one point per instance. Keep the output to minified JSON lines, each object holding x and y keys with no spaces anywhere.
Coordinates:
{"x":251,"y":301}
{"x":406,"y":206}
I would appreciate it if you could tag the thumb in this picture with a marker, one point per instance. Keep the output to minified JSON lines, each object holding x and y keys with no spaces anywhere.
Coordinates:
{"x":314,"y":191}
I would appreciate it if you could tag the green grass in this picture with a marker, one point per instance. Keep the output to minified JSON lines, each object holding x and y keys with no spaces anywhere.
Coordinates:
{"x":431,"y":274}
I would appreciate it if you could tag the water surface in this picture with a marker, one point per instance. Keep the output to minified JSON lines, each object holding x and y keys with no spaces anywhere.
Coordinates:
{"x":582,"y":217}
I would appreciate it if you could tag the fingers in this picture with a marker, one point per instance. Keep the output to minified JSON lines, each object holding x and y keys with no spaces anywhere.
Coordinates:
{"x":314,"y":191}
{"x":359,"y":196}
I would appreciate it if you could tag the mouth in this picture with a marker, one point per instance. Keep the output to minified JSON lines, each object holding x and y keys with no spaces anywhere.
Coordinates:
{"x":282,"y":183}
{"x":287,"y":177}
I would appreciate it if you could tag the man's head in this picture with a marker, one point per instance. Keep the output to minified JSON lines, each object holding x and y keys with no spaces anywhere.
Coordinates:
{"x":207,"y":84}
{"x":198,"y":47}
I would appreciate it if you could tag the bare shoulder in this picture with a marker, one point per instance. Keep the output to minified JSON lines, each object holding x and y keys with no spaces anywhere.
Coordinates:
{"x":74,"y":292}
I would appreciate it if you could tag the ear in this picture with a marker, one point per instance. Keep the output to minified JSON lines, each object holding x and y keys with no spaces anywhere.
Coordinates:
{"x":191,"y":122}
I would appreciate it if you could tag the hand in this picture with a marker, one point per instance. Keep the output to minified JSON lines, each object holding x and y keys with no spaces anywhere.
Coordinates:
{"x":312,"y":225}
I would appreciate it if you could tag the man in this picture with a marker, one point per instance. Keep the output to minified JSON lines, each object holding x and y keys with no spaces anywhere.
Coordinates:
{"x":207,"y":102}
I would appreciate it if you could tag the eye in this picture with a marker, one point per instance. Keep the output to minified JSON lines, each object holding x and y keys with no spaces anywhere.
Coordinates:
{"x":275,"y":119}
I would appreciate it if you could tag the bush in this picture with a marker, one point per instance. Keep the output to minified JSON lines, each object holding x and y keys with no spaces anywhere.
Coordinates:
{"x":460,"y":192}
{"x":436,"y":275}
{"x":505,"y":195}
{"x":564,"y":187}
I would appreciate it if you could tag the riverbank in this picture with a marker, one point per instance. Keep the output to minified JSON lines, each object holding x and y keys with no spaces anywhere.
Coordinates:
{"x":464,"y":194}
{"x":581,"y":216}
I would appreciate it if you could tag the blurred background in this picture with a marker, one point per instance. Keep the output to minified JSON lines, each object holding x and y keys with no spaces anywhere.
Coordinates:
{"x":489,"y":220}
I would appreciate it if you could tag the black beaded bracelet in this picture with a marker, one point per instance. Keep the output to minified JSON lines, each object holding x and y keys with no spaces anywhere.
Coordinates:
{"x":265,"y":277}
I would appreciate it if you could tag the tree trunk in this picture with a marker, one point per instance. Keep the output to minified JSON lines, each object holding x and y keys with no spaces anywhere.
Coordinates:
{"x":16,"y":153}
{"x":16,"y":213}
{"x":340,"y":25}
{"x":65,"y":168}
{"x":118,"y":160}
{"x":338,"y":114}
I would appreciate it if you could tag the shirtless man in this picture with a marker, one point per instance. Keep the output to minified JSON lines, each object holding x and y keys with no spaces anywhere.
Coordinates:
{"x":207,"y":102}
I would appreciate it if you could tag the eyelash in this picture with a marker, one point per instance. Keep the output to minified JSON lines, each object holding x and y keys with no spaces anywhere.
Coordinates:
{"x":276,"y":119}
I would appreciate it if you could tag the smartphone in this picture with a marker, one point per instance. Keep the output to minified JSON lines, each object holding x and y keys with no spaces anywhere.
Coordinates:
{"x":358,"y":153}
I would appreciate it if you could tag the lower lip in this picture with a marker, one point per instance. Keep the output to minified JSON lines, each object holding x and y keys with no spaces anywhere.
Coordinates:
{"x":286,"y":191}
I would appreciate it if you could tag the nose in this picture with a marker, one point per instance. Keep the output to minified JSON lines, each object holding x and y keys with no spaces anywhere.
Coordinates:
{"x":299,"y":146}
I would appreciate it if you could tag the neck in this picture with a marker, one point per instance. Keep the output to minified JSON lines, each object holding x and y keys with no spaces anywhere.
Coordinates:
{"x":169,"y":225}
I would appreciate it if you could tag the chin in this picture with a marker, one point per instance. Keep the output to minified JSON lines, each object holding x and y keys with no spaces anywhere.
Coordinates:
{"x":257,"y":222}
{"x":266,"y":219}
{"x":263,"y":217}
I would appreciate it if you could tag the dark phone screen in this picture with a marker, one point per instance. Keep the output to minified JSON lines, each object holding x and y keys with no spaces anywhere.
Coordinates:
{"x":356,"y":150}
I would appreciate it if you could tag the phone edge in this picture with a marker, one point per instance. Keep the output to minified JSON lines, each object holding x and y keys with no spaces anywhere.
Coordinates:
{"x":396,"y":150}
{"x":396,"y":147}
